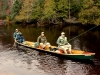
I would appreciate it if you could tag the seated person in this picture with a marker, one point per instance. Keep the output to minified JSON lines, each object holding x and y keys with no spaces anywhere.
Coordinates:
{"x":63,"y":44}
{"x":21,"y":39}
{"x":18,"y":36}
{"x":42,"y":41}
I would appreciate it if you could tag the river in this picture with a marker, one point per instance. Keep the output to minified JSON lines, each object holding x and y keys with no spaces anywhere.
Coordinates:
{"x":32,"y":62}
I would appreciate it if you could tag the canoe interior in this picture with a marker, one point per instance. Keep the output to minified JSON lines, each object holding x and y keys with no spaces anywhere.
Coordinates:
{"x":74,"y":51}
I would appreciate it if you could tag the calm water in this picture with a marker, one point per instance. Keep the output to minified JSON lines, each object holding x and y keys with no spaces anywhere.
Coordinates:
{"x":32,"y":62}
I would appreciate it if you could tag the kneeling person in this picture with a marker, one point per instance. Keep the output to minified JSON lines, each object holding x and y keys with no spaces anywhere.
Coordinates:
{"x":63,"y":44}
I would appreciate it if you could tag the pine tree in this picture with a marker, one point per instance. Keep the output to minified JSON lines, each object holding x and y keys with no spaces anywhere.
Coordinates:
{"x":49,"y":12}
{"x":25,"y":13}
{"x":62,"y":9}
{"x":16,"y":7}
{"x":38,"y":6}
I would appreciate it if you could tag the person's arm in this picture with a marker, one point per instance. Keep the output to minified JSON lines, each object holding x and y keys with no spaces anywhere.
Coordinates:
{"x":66,"y":41}
{"x":38,"y":39}
{"x":14,"y":36}
{"x":45,"y":40}
{"x":58,"y":41}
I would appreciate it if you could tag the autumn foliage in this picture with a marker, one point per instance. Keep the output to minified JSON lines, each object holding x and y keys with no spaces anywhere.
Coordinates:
{"x":84,"y":11}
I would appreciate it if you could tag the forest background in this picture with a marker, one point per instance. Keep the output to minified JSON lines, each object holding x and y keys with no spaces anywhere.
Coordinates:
{"x":50,"y":11}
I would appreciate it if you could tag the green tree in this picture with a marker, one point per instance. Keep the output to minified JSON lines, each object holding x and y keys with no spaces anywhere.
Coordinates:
{"x":89,"y":13}
{"x":16,"y":7}
{"x":49,"y":12}
{"x":97,"y":3}
{"x":37,"y":9}
{"x":25,"y":13}
{"x":61,"y":9}
{"x":75,"y":7}
{"x":3,"y":8}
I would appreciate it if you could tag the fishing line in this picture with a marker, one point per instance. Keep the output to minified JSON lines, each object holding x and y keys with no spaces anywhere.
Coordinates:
{"x":82,"y":33}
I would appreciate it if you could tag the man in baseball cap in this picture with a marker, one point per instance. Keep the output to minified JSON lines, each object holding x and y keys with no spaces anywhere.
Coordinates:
{"x":63,"y":43}
{"x":42,"y":41}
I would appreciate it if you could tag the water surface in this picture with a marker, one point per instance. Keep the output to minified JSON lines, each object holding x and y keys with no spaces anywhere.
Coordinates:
{"x":31,"y":62}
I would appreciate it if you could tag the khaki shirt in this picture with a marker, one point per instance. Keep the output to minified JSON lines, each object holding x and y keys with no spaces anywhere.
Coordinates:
{"x":42,"y":39}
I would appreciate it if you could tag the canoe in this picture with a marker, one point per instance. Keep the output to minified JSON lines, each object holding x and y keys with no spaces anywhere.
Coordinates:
{"x":76,"y":54}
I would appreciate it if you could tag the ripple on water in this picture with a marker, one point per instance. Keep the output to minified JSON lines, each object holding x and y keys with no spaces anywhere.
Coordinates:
{"x":35,"y":62}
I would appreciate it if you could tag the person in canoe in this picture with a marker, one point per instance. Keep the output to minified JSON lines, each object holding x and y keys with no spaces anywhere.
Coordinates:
{"x":63,"y":43}
{"x":42,"y":41}
{"x":18,"y":36}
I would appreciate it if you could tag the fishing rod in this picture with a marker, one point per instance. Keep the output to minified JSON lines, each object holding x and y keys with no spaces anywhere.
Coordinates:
{"x":83,"y":33}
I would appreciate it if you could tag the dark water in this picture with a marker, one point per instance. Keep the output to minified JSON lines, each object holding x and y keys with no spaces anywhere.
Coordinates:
{"x":32,"y":62}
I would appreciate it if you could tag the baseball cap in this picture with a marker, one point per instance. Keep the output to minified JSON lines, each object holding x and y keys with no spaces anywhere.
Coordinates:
{"x":62,"y":32}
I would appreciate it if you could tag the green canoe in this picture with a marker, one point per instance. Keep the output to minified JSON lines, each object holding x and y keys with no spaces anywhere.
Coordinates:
{"x":76,"y":54}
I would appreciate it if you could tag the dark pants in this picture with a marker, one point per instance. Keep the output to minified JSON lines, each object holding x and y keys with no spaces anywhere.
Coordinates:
{"x":20,"y":39}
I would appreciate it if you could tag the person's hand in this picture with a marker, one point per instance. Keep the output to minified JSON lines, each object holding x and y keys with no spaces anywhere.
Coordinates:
{"x":68,"y":43}
{"x":45,"y":42}
{"x":60,"y":44}
{"x":15,"y":40}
